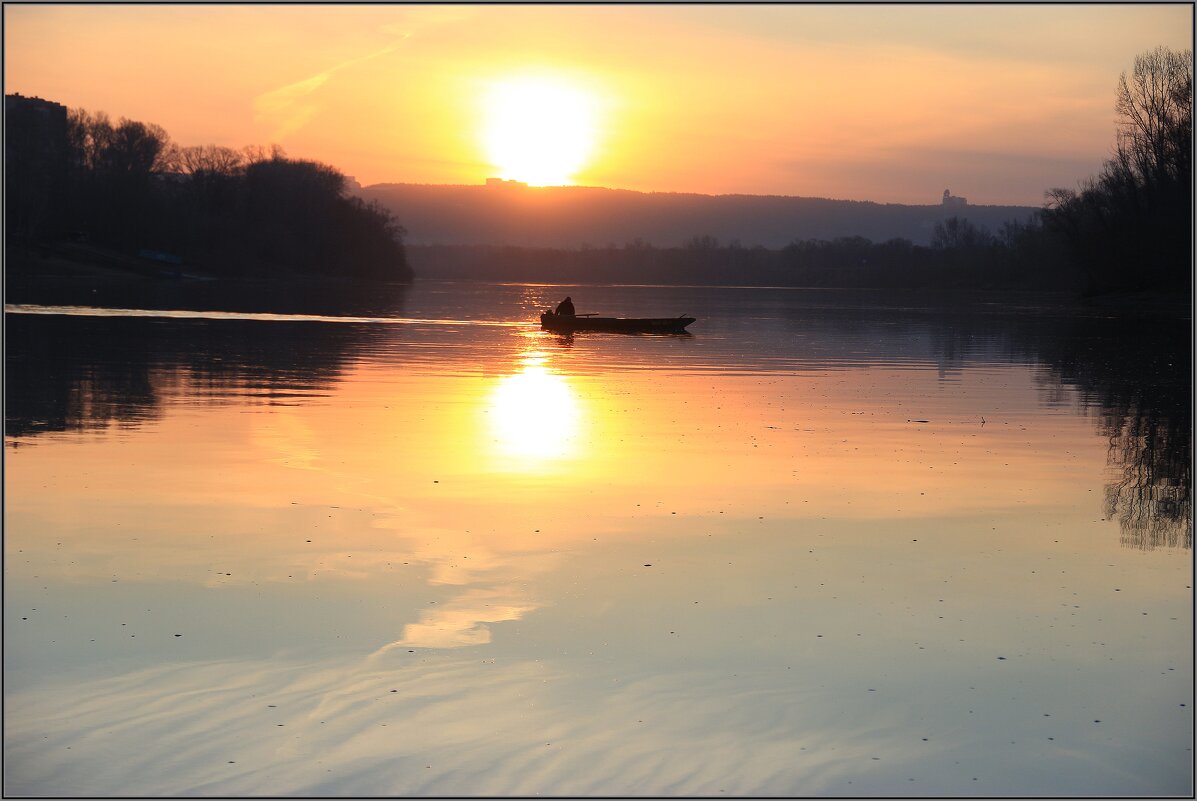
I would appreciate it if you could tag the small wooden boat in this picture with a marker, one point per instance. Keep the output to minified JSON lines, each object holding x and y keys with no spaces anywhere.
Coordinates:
{"x":567,"y":324}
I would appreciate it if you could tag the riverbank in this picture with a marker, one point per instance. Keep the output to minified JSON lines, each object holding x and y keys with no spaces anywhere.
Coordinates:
{"x":79,"y":274}
{"x":82,"y":260}
{"x":69,"y":282}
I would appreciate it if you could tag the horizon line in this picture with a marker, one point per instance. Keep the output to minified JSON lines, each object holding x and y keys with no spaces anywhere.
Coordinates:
{"x":519,"y":186}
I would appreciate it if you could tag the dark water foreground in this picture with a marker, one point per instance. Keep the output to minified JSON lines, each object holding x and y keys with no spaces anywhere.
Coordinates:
{"x":406,"y":543}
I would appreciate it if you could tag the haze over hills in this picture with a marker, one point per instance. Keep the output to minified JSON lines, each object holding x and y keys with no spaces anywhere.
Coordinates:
{"x":509,"y":213}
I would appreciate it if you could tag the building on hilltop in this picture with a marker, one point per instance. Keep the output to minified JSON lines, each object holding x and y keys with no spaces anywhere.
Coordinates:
{"x":952,"y":202}
{"x":509,"y":183}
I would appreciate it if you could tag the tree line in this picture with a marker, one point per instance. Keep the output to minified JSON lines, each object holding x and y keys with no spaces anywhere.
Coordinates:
{"x":79,"y":179}
{"x":962,"y":255}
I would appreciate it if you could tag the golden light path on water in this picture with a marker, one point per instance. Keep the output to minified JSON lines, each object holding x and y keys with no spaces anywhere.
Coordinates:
{"x":534,"y":414}
{"x":534,"y":418}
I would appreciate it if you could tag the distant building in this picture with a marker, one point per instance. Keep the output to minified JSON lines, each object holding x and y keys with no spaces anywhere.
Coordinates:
{"x":47,"y":112}
{"x":951,"y":202}
{"x":34,"y":128}
{"x":35,"y":157}
{"x":505,"y":183}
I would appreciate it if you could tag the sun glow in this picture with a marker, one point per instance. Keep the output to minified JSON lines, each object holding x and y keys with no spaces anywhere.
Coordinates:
{"x":534,"y":414}
{"x":539,"y":130}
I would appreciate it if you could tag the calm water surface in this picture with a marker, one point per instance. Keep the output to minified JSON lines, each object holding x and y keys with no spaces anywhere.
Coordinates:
{"x":830,"y":544}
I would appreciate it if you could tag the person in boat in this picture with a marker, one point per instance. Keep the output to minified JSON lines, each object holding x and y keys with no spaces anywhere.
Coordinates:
{"x":566,"y":307}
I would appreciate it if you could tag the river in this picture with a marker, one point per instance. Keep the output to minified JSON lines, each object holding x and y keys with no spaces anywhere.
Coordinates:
{"x":406,"y":543}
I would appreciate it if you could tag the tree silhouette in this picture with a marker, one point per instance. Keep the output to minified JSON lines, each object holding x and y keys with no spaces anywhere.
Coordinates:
{"x":957,"y":232}
{"x":1156,"y":116}
{"x":126,"y":189}
{"x":1130,"y":227}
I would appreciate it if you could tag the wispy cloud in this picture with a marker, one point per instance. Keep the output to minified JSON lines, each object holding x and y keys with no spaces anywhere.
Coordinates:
{"x":288,"y":108}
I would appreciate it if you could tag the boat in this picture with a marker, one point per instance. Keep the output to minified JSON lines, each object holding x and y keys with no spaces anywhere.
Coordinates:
{"x":568,"y":324}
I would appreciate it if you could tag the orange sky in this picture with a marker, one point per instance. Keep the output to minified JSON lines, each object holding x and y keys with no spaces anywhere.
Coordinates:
{"x":878,"y":103}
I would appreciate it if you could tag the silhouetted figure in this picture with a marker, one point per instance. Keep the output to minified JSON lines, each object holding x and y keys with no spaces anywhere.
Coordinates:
{"x":566,"y":307}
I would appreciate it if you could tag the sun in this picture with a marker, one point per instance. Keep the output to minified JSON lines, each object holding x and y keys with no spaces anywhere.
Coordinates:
{"x":539,"y":129}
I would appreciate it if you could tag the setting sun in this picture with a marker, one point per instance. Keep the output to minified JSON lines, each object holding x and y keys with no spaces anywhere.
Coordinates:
{"x":538,"y":130}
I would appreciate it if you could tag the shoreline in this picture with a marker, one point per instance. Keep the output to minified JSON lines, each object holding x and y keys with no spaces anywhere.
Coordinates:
{"x":54,"y":276}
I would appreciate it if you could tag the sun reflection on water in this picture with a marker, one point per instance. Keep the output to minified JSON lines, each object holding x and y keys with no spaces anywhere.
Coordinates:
{"x":534,"y":413}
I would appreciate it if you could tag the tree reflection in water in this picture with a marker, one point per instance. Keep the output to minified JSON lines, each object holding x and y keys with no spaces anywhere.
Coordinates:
{"x":80,"y":373}
{"x":1134,"y":372}
{"x":77,"y":373}
{"x":1152,"y":499}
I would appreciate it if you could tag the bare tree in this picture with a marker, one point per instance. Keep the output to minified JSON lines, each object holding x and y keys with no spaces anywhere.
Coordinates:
{"x":131,"y":147}
{"x":957,"y":232}
{"x":1129,"y":227}
{"x":253,"y":154}
{"x":88,"y":137}
{"x":212,"y":159}
{"x":1155,"y":106}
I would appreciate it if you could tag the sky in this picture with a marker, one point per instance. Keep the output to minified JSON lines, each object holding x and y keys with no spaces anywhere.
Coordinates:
{"x":889,"y":103}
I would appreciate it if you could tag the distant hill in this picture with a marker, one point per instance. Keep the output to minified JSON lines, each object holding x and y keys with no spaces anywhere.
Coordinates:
{"x":571,"y":216}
